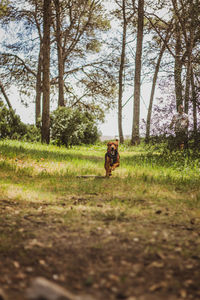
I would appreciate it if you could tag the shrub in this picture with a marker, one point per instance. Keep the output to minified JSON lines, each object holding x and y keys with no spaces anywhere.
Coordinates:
{"x":33,"y":134}
{"x":11,"y":126}
{"x":72,"y":127}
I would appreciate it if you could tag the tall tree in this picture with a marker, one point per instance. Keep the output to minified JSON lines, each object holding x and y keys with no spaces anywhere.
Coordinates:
{"x":178,"y":65}
{"x":58,"y":30}
{"x":46,"y":72}
{"x":135,"y":138}
{"x":81,"y":22}
{"x":186,"y":14}
{"x":148,"y":122}
{"x":76,"y":24}
{"x":19,"y":55}
{"x":194,"y":104}
{"x":36,"y":19}
{"x":121,"y":69}
{"x":38,"y":87}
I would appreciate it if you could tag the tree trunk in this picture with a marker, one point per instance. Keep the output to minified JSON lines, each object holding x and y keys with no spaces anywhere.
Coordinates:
{"x":60,"y":55}
{"x":121,"y":137}
{"x":5,"y":95}
{"x":38,"y":88}
{"x":148,"y":123}
{"x":194,"y":103}
{"x":46,"y":72}
{"x":135,"y":139}
{"x":178,"y":68}
{"x":189,"y":65}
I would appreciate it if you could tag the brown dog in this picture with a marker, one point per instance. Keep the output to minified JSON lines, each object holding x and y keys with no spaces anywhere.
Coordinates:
{"x":111,"y":157}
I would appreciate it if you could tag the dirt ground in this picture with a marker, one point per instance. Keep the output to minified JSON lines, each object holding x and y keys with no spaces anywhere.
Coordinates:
{"x":133,"y":258}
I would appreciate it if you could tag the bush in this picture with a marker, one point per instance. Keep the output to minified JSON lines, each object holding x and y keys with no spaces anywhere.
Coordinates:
{"x":11,"y":127}
{"x":33,"y":134}
{"x":72,"y":127}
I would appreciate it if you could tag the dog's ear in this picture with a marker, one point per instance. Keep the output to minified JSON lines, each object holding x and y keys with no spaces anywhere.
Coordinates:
{"x":108,"y":145}
{"x":117,"y":143}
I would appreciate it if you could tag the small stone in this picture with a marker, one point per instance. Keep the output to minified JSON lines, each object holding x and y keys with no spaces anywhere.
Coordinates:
{"x":42,"y":288}
{"x":183,"y":294}
{"x":16,"y":264}
{"x":136,"y":239}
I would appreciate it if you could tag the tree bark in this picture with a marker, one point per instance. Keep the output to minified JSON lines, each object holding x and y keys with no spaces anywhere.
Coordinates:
{"x":148,"y":123}
{"x":194,"y":103}
{"x":121,"y":69}
{"x":189,"y":65}
{"x":135,"y":139}
{"x":38,"y":88}
{"x":60,"y":54}
{"x":178,"y":67}
{"x":5,"y":95}
{"x":46,"y":72}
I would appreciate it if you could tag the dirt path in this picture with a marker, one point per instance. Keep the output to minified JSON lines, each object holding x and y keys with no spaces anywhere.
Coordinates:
{"x":129,"y":258}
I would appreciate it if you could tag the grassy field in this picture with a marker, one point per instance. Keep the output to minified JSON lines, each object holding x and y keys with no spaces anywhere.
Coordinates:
{"x":134,"y":236}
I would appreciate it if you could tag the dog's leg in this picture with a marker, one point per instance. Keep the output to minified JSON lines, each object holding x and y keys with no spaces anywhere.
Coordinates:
{"x":108,"y":174}
{"x":107,"y":166}
{"x":115,"y":166}
{"x":108,"y":170}
{"x":117,"y":163}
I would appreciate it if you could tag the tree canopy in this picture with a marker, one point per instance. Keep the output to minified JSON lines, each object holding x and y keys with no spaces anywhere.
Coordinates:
{"x":93,"y":55}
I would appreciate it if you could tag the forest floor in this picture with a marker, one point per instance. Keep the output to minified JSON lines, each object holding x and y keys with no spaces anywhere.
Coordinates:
{"x":127,"y":237}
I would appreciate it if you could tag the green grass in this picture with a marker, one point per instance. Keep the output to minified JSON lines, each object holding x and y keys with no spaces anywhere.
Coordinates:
{"x":35,"y":172}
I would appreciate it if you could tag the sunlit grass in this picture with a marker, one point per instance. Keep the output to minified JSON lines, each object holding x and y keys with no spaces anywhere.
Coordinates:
{"x":135,"y":161}
{"x":144,"y":182}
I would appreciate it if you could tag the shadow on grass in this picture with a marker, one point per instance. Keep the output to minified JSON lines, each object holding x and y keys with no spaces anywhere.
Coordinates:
{"x":165,"y":159}
{"x":178,"y":161}
{"x":65,"y":154}
{"x":56,"y":155}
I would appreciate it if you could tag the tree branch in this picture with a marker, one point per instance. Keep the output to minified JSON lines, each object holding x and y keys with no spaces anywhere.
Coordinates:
{"x":5,"y":95}
{"x":22,"y":62}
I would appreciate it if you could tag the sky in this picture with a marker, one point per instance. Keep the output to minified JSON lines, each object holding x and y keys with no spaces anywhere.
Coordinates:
{"x":110,"y":125}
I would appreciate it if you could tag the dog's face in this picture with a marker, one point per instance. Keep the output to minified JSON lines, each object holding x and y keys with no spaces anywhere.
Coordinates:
{"x":112,"y":147}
